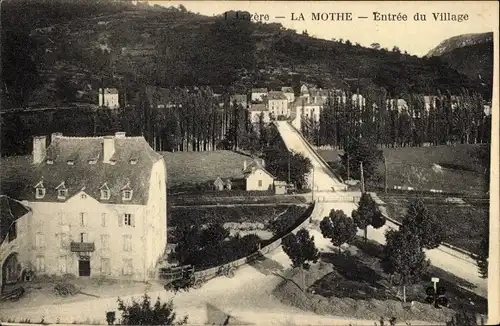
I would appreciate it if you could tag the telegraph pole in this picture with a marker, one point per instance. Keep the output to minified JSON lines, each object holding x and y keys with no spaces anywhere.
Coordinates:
{"x":288,"y":168}
{"x":385,"y":172}
{"x":312,"y":184}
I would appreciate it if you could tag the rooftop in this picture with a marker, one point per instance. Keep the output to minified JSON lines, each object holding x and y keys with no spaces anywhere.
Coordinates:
{"x":78,"y":162}
{"x":276,"y":96}
{"x":258,"y":107}
{"x":259,"y":90}
{"x":10,"y":211}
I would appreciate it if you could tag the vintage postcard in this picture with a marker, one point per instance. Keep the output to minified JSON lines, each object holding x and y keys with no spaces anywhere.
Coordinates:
{"x":249,"y":163}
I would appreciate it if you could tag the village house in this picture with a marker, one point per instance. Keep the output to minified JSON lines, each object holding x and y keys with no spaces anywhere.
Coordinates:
{"x":256,"y":110}
{"x":257,"y":177}
{"x":14,"y":240}
{"x":220,"y":185}
{"x":108,"y":97}
{"x":289,"y":93}
{"x":258,"y":95}
{"x":277,"y":104}
{"x":240,"y":99}
{"x":399,"y":105}
{"x":304,"y":91}
{"x":97,"y":207}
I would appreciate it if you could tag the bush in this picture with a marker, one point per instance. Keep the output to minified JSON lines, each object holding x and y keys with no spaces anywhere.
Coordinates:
{"x":65,"y":289}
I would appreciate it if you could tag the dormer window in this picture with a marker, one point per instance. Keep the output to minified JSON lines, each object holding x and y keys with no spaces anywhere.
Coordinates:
{"x":70,"y":162}
{"x":133,"y":161}
{"x":92,"y":161}
{"x":39,"y":190}
{"x":127,"y":195}
{"x":62,"y":191}
{"x":49,"y":161}
{"x":105,"y":192}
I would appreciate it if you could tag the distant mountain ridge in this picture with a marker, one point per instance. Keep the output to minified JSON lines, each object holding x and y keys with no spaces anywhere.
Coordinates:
{"x":469,"y":54}
{"x":460,"y":41}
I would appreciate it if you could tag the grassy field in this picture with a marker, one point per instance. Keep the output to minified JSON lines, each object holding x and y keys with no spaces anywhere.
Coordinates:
{"x":241,"y":199}
{"x":464,"y":222}
{"x":199,"y":167}
{"x":449,"y":168}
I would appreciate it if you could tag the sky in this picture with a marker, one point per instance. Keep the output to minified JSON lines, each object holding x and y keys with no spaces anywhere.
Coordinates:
{"x":415,"y":37}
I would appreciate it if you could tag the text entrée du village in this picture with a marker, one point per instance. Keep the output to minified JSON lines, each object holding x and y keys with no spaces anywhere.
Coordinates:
{"x":349,"y":16}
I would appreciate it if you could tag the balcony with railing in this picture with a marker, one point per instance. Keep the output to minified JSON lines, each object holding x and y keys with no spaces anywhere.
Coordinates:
{"x":82,"y":246}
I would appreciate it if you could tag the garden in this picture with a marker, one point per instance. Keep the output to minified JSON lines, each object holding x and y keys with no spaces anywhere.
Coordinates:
{"x":366,"y":280}
{"x":212,"y":236}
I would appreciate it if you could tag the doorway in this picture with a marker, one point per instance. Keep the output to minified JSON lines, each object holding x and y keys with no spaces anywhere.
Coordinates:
{"x":84,"y":267}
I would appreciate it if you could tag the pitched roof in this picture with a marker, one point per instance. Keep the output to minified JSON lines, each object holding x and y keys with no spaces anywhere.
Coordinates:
{"x":276,"y":96}
{"x":255,"y":165}
{"x":90,"y":177}
{"x":110,"y":91}
{"x":287,"y":89}
{"x":258,"y":107}
{"x":10,"y":211}
{"x":259,"y":90}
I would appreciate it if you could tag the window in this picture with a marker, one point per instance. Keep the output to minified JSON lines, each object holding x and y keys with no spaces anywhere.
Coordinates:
{"x":61,"y":260}
{"x":84,"y":237}
{"x":39,"y":241}
{"x":62,"y":218}
{"x":104,"y":219}
{"x":105,"y":194}
{"x":83,"y":219}
{"x":127,"y":243}
{"x":83,"y":196}
{"x":40,"y":264}
{"x":105,"y":266}
{"x":127,"y":195}
{"x":40,"y":193}
{"x":62,"y":193}
{"x":260,"y":183}
{"x":50,"y":161}
{"x":104,"y":241}
{"x":64,"y":240}
{"x":127,"y":219}
{"x":13,"y":231}
{"x":128,"y":268}
{"x":70,"y":162}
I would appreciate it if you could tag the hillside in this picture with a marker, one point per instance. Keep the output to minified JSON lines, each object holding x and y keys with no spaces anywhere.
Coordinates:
{"x":460,"y":41}
{"x":63,"y":54}
{"x":471,"y":55}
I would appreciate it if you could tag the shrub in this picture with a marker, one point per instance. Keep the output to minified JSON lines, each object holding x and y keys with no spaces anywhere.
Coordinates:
{"x":65,"y":289}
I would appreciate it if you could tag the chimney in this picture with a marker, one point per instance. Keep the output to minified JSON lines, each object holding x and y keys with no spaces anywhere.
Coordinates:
{"x":39,"y":149}
{"x":54,"y":135}
{"x":120,"y":134}
{"x":245,"y":165}
{"x":108,"y":148}
{"x":263,"y":163}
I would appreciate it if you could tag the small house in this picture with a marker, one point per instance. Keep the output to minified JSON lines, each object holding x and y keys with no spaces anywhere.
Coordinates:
{"x":279,"y":187}
{"x":219,"y":184}
{"x":257,"y":177}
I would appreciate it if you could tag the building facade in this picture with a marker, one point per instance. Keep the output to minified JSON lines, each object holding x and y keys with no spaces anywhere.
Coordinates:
{"x":258,"y":95}
{"x":277,"y":104}
{"x":257,"y":177}
{"x":98,"y":207}
{"x":108,"y":97}
{"x":289,"y":93}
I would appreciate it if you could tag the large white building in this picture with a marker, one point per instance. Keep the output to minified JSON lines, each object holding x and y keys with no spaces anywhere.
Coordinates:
{"x":97,"y":208}
{"x":108,"y":97}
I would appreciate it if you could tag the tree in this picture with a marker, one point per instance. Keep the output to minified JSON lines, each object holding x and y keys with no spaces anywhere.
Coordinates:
{"x":301,"y":250}
{"x":403,"y":255}
{"x":396,"y":49}
{"x":367,"y":214}
{"x":338,"y":227}
{"x":143,"y":313}
{"x":362,"y":150}
{"x":375,"y":46}
{"x":419,"y":221}
{"x":279,"y":160}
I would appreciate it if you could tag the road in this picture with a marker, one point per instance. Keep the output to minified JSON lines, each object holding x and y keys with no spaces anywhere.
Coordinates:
{"x":444,"y":258}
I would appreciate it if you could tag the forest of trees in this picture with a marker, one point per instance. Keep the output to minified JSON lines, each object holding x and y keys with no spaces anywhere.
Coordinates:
{"x":193,"y":119}
{"x":381,"y":121}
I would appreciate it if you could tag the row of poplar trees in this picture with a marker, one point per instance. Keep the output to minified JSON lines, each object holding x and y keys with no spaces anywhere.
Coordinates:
{"x":414,"y":125}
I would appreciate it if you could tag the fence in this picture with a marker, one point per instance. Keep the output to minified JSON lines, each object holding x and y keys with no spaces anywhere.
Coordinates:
{"x":317,"y":155}
{"x":211,"y":272}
